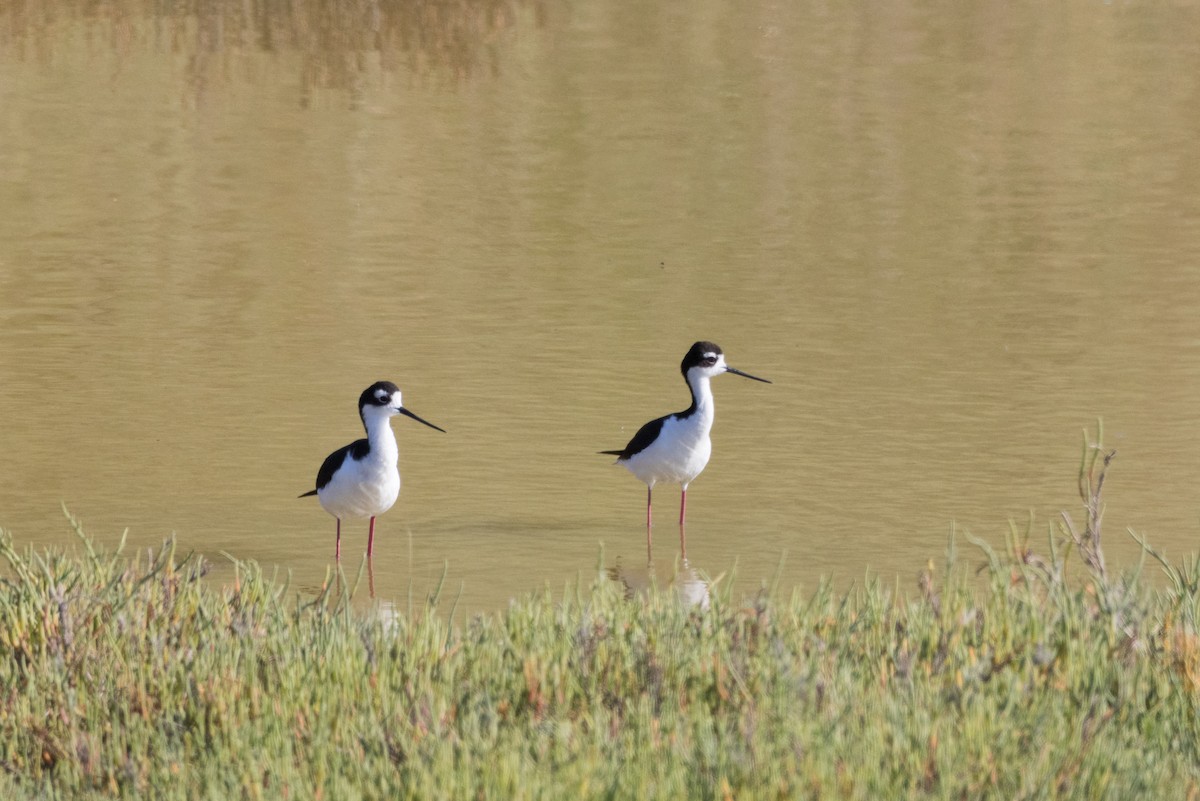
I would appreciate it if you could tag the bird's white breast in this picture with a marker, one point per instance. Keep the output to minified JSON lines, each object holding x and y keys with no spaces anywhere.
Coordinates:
{"x":366,"y":487}
{"x":361,"y":489}
{"x":678,"y":455}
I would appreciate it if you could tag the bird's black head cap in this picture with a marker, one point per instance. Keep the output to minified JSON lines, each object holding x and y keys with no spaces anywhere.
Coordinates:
{"x":701,"y":354}
{"x":378,"y":394}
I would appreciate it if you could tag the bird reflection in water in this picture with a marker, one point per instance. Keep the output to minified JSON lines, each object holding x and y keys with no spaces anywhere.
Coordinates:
{"x":637,"y":580}
{"x":386,"y":612}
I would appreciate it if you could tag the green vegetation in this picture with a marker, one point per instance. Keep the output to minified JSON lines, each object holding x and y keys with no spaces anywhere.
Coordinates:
{"x":134,"y":677}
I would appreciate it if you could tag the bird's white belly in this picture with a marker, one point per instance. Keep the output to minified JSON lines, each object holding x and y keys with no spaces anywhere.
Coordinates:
{"x":361,"y":489}
{"x":678,"y":455}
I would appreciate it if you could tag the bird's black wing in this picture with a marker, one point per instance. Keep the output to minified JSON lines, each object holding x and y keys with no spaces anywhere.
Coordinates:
{"x":641,"y":440}
{"x":355,"y":450}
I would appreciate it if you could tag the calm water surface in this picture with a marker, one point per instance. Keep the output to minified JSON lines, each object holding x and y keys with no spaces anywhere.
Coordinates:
{"x":952,"y":237}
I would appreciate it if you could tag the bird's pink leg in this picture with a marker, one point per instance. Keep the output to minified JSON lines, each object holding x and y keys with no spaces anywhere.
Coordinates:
{"x":371,"y":538}
{"x":682,"y":505}
{"x":649,"y":517}
{"x":682,"y":542}
{"x":337,"y":549}
{"x":649,"y":551}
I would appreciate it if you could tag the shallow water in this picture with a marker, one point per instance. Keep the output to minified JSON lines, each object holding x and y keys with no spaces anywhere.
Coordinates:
{"x":953,"y":239}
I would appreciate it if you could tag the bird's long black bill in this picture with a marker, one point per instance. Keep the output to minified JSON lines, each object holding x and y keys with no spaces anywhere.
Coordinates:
{"x":746,"y":375}
{"x":407,"y":413}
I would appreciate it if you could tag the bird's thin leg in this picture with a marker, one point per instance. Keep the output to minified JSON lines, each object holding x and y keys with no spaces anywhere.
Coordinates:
{"x":683,"y":505}
{"x":682,"y":542}
{"x":648,"y":523}
{"x":371,"y":538}
{"x":337,"y":548}
{"x":370,"y":578}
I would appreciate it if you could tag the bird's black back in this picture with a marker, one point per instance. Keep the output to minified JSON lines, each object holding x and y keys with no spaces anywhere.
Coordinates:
{"x":357,"y":450}
{"x":642,"y":439}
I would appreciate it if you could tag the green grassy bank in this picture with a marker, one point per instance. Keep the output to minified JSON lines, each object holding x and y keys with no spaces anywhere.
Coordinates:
{"x":1042,"y":676}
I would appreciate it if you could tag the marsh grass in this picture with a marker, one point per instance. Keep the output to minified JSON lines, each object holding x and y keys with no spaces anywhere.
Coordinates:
{"x":132,"y":677}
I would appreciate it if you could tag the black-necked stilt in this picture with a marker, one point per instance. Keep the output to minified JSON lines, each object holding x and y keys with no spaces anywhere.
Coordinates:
{"x":361,"y":479}
{"x":676,"y":448}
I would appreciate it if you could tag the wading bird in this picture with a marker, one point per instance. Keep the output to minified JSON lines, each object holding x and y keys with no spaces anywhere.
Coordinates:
{"x":361,"y":479}
{"x":675,"y":448}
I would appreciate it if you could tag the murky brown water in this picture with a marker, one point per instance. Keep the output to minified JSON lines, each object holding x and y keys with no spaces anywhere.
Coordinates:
{"x":953,"y":238}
